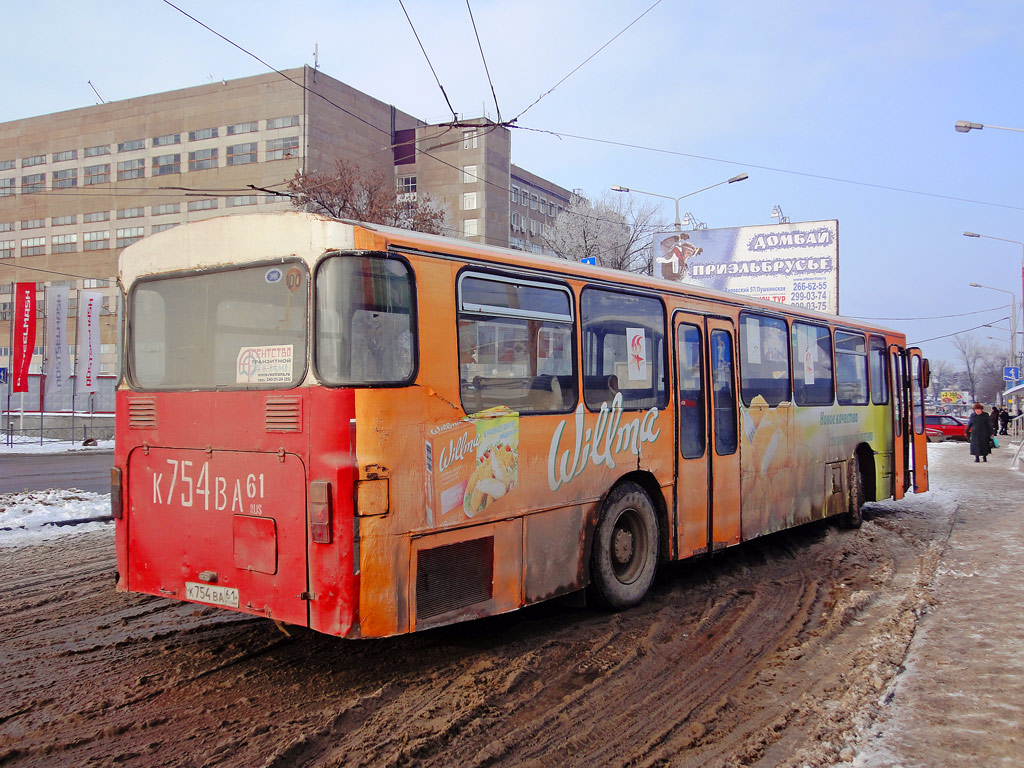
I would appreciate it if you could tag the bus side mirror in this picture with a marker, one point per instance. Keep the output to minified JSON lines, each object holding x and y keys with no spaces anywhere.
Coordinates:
{"x":926,"y":373}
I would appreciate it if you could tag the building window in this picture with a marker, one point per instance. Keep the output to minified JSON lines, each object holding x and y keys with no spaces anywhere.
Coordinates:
{"x":167,"y":140}
{"x":517,"y":242}
{"x":6,"y":249}
{"x":202,"y":205}
{"x":238,"y":200}
{"x":202,"y":159}
{"x":65,"y":179}
{"x":279,"y":149}
{"x":102,"y":149}
{"x":406,"y":184}
{"x":163,"y":210}
{"x":241,"y":154}
{"x":96,"y":241}
{"x":33,"y":223}
{"x":34,"y":182}
{"x":166,"y":164}
{"x":469,"y":174}
{"x":282,"y":122}
{"x":131,"y":169}
{"x":130,"y":146}
{"x":161,"y":227}
{"x":63,"y":221}
{"x":126,"y":237}
{"x":237,"y":128}
{"x":96,"y":174}
{"x":516,"y":221}
{"x":67,"y":154}
{"x":470,"y":138}
{"x":469,"y":201}
{"x":205,"y":133}
{"x":64,"y":243}
{"x":97,"y":216}
{"x":6,"y":165}
{"x":470,"y":227}
{"x":6,"y":226}
{"x":513,"y":195}
{"x":6,"y":187}
{"x":131,"y":213}
{"x":33,"y":246}
{"x":28,"y":162}
{"x":533,"y":202}
{"x":551,"y":209}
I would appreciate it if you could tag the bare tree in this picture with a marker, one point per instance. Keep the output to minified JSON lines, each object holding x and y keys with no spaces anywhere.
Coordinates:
{"x":614,"y":230}
{"x":971,"y":354}
{"x":942,"y":374}
{"x":353,"y":193}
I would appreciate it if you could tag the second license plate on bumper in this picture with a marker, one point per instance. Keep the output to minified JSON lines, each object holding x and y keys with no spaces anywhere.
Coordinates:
{"x":212,"y":594}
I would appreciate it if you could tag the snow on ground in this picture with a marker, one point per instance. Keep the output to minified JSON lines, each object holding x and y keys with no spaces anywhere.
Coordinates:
{"x":25,"y":444}
{"x":38,"y":516}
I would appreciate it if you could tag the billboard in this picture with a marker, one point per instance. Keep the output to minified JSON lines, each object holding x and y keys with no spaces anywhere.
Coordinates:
{"x":793,"y":264}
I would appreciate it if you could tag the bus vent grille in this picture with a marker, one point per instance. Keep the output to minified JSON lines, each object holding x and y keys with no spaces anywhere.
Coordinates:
{"x":454,"y":576}
{"x":283,"y":414}
{"x":142,"y":413}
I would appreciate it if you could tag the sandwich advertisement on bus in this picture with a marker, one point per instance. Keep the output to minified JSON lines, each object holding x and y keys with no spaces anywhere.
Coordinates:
{"x":792,"y":264}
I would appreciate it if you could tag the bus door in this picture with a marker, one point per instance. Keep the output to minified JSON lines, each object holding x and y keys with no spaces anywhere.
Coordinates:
{"x":708,"y":471}
{"x":900,"y":444}
{"x":910,"y":442}
{"x":918,"y":384}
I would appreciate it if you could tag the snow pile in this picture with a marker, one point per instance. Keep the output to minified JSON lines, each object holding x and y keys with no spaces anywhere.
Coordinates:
{"x":38,"y":516}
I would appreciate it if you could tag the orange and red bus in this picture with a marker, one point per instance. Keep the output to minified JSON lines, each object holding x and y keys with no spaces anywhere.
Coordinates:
{"x":370,"y":431}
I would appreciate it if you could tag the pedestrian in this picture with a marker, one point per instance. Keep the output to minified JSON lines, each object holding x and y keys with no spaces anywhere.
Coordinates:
{"x":994,"y":416}
{"x":979,"y":432}
{"x":1004,"y":421}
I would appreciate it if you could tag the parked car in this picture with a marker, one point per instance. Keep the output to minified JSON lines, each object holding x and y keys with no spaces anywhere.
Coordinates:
{"x":945,"y":427}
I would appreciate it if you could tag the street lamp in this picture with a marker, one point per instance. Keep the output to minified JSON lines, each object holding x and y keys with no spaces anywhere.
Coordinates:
{"x":963,"y":126}
{"x":1005,"y":240}
{"x":1013,"y":318}
{"x":678,"y":224}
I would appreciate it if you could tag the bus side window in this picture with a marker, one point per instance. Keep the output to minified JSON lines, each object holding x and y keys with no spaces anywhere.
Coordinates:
{"x":764,"y":359}
{"x":624,"y":353}
{"x":876,"y":362}
{"x":723,"y":391}
{"x":851,"y":369}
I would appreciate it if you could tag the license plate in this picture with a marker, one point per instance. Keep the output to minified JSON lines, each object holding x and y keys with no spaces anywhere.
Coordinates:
{"x":209,"y":593}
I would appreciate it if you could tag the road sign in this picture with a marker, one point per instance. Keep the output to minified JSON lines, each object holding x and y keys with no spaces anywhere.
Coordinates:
{"x":3,"y":375}
{"x":592,"y":260}
{"x":1011,"y":373}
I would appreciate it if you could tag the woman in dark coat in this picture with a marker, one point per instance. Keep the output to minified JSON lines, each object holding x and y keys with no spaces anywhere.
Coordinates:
{"x":979,"y":432}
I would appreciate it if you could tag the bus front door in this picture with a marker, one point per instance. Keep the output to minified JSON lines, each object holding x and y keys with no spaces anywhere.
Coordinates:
{"x":918,"y":384}
{"x":900,"y":444}
{"x":707,"y":477}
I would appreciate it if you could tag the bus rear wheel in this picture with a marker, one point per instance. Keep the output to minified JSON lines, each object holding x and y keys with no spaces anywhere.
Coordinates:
{"x":625,"y":552}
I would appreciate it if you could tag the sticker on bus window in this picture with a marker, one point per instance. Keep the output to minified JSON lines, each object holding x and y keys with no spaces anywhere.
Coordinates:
{"x":264,"y":365}
{"x":636,"y":354}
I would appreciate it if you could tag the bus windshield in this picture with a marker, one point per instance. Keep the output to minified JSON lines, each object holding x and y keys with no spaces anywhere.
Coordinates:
{"x":231,"y":329}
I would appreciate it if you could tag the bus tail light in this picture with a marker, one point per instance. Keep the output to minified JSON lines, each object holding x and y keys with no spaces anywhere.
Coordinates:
{"x":320,"y":512}
{"x":116,"y":502}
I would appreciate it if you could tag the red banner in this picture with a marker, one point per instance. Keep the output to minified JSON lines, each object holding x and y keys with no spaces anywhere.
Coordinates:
{"x":24,"y":319}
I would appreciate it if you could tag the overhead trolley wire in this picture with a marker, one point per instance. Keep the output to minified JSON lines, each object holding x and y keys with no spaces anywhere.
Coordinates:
{"x":455,"y":117}
{"x":484,"y":59}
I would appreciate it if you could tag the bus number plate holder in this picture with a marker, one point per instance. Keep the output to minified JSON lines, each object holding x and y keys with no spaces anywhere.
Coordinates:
{"x":211,"y":594}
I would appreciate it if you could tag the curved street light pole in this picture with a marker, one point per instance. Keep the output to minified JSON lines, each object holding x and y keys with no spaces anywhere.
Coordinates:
{"x":1016,"y":242}
{"x":1013,"y":319}
{"x":965,"y":126}
{"x":678,"y":224}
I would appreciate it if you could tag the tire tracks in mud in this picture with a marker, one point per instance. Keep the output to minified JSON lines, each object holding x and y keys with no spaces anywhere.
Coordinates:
{"x":769,"y":654}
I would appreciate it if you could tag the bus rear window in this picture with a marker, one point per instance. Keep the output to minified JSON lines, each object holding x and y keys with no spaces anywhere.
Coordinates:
{"x":231,"y":329}
{"x":364,"y":321}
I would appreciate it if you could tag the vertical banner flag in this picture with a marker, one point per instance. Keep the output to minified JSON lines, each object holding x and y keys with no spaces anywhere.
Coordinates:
{"x":88,"y":340}
{"x":58,"y":362}
{"x":24,"y":334}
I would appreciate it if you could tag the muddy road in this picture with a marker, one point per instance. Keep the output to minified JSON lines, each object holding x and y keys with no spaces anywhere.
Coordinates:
{"x":774,"y":654}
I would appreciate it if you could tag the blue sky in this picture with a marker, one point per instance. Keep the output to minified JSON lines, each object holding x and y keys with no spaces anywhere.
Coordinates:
{"x":830,"y":107}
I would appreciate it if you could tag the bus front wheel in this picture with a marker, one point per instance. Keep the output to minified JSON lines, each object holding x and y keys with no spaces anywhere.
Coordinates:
{"x":625,"y":553}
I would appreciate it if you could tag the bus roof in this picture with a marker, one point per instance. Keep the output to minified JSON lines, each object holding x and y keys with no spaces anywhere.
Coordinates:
{"x":241,"y":238}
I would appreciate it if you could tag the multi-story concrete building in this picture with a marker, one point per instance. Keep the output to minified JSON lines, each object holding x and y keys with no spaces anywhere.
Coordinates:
{"x":78,"y":186}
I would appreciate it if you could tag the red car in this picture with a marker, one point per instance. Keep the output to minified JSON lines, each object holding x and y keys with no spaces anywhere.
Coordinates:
{"x":941,"y":427}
